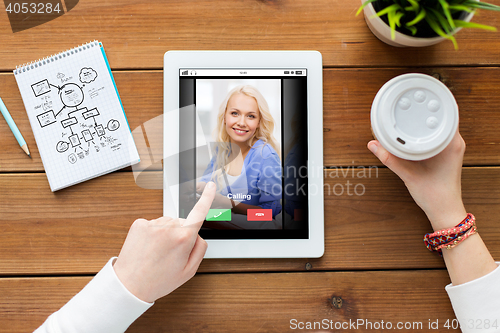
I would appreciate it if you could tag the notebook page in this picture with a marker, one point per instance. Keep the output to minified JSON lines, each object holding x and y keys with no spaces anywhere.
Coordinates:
{"x":76,"y":115}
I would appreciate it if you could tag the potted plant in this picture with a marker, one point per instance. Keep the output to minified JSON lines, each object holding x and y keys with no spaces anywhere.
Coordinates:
{"x":421,"y":22}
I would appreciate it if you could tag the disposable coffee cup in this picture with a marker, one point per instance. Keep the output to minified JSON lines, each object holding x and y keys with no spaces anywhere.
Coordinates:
{"x":414,"y":116}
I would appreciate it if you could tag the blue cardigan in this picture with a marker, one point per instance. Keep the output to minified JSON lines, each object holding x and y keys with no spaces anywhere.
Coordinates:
{"x":259,"y":183}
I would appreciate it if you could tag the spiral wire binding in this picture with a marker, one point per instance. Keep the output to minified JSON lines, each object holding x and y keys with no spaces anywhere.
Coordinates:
{"x":46,"y":60}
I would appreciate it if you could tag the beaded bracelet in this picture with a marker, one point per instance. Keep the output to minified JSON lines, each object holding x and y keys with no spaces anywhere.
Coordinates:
{"x":447,"y":235}
{"x":457,"y":241}
{"x":451,"y":237}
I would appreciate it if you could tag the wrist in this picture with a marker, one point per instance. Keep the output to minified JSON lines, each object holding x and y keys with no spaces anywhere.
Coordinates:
{"x":447,"y":218}
{"x":129,"y":281}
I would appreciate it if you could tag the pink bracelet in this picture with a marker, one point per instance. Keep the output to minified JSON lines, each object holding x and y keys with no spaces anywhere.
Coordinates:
{"x":457,"y":241}
{"x":451,"y":237}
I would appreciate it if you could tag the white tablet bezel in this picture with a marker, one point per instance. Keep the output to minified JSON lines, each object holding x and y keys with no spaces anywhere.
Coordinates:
{"x":313,"y":247}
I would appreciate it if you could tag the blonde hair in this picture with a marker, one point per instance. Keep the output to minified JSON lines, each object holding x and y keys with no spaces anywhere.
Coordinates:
{"x":263,"y":132}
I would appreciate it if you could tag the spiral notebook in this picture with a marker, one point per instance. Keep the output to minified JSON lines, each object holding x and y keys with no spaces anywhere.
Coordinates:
{"x":76,"y":115}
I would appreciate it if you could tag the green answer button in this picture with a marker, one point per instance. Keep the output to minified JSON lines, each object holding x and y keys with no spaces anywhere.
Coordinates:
{"x":219,"y":215}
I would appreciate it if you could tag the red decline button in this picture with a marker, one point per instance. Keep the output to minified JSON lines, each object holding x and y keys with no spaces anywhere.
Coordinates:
{"x":259,"y":214}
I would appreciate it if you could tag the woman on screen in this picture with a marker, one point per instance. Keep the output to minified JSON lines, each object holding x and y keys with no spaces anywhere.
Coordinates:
{"x":246,"y":166}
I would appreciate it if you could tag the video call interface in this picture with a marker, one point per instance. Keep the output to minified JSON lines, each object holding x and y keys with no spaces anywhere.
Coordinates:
{"x":246,"y":131}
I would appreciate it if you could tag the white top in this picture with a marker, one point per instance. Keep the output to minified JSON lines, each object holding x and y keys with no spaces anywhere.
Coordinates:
{"x":106,"y":306}
{"x":231,"y":179}
{"x":477,"y":303}
{"x":103,"y":306}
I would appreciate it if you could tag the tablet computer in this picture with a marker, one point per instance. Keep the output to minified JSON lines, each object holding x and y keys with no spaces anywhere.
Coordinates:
{"x":252,"y":123}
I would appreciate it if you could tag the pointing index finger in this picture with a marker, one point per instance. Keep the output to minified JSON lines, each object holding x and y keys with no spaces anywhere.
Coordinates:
{"x":200,"y":210}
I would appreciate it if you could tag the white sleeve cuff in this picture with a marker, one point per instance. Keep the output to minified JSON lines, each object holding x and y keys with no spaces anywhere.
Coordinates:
{"x":104,"y":305}
{"x":477,"y":303}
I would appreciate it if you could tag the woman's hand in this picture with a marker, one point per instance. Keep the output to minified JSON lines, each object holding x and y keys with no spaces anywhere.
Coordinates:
{"x":434,"y":184}
{"x":160,"y":255}
{"x":200,"y":186}
{"x":221,"y":201}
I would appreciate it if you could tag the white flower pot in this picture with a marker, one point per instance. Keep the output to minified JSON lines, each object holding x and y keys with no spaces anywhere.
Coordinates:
{"x":383,"y":32}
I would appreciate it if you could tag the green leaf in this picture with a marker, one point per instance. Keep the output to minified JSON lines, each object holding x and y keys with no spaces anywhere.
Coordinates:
{"x":418,"y":18}
{"x":447,"y":13}
{"x":387,"y":10}
{"x":463,"y":24}
{"x":461,"y":8}
{"x":366,"y":3}
{"x":481,"y":5}
{"x":392,"y":24}
{"x":433,"y":24}
{"x":412,"y":29}
{"x":397,"y":18}
{"x":439,"y":19}
{"x":414,"y":4}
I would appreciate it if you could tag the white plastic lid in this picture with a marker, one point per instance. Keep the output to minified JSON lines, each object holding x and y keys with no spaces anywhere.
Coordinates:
{"x":414,"y":116}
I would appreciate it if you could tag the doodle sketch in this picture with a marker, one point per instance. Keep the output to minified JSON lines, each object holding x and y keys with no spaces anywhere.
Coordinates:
{"x":76,"y":115}
{"x":63,"y":103}
{"x":40,"y":88}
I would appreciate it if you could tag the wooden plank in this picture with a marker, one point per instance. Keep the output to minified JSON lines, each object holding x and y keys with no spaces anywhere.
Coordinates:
{"x":371,"y":222}
{"x":348,"y":94}
{"x":257,"y":302}
{"x":136,"y":34}
{"x":89,"y":220}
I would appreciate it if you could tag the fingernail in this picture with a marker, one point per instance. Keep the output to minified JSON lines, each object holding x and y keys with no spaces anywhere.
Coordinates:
{"x":210,"y":185}
{"x":373,"y":147}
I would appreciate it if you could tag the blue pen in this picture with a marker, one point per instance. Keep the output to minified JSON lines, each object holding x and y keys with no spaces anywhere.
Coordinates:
{"x":14,"y":128}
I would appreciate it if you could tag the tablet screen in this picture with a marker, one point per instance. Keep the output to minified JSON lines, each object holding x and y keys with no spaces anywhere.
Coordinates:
{"x":245,"y":130}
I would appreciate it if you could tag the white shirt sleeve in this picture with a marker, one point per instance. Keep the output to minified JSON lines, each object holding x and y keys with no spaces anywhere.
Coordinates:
{"x":477,"y":303}
{"x":103,"y":306}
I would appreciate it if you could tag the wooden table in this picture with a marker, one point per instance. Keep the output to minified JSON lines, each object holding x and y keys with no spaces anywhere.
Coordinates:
{"x":375,"y":266}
